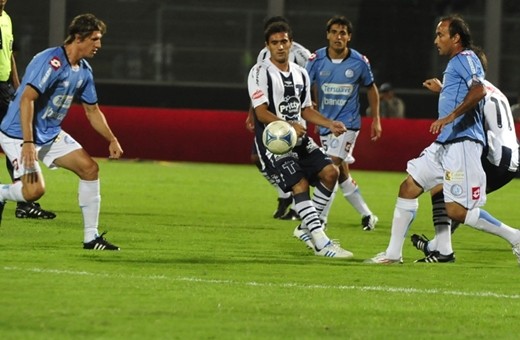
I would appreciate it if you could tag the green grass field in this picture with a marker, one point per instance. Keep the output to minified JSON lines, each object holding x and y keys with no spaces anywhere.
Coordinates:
{"x":202,"y":258}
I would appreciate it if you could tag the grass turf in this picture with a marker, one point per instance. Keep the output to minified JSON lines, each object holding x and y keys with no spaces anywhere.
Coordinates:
{"x":202,"y":258}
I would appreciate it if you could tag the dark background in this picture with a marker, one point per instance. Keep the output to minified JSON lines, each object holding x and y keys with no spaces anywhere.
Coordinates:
{"x":197,"y":53}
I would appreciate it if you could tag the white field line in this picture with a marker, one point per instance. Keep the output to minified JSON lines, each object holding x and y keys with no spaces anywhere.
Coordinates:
{"x":384,"y":289}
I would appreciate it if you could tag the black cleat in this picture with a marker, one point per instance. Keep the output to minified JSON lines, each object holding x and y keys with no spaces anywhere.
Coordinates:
{"x":99,"y":243}
{"x":32,"y":210}
{"x":436,"y":257}
{"x":421,"y":243}
{"x":2,"y":205}
{"x":291,"y":215}
{"x":283,"y":204}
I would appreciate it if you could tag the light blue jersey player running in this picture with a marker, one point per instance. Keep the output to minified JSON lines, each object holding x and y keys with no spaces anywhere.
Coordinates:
{"x":31,"y":130}
{"x":337,"y":72}
{"x":452,"y":163}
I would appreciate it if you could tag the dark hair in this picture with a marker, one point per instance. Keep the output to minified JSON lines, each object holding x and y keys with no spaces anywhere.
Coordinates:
{"x":274,"y":19}
{"x":83,"y":25}
{"x":339,"y":20}
{"x":278,"y":27}
{"x":460,"y":27}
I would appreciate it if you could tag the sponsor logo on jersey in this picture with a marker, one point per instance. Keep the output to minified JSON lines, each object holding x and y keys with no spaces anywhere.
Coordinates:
{"x":290,"y":107}
{"x":337,"y":89}
{"x":257,"y":94}
{"x":55,"y":63}
{"x":475,"y":193}
{"x":45,"y":78}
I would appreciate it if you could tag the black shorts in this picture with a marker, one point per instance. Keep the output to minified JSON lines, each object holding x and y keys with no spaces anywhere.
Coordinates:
{"x":305,"y":161}
{"x":496,"y":176}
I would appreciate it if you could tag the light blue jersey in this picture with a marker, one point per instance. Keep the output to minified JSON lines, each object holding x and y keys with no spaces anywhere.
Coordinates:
{"x":338,"y":86}
{"x":461,"y":72}
{"x":57,"y":83}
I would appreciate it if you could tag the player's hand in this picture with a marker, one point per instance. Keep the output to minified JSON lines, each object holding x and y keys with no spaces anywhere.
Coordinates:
{"x":438,"y":125}
{"x":115,"y":149}
{"x":375,"y":130}
{"x":433,"y":85}
{"x":337,"y":128}
{"x":300,"y":129}
{"x":250,"y":124}
{"x":29,"y":156}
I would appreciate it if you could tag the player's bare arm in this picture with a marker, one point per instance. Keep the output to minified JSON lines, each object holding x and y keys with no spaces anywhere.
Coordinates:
{"x":28,"y":155}
{"x":99,"y":123}
{"x":373,"y":101}
{"x":313,"y":116}
{"x":476,"y":93}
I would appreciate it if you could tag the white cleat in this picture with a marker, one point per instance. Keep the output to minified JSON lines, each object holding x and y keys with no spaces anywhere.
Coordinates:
{"x":333,"y":249}
{"x":382,"y":259}
{"x":516,"y":251}
{"x":304,"y":235}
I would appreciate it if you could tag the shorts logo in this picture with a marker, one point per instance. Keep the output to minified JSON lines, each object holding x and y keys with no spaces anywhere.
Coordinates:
{"x":453,"y":176}
{"x":475,"y":193}
{"x":55,"y":63}
{"x":456,"y":190}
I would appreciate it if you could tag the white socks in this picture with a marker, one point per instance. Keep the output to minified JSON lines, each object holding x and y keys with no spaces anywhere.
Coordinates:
{"x":89,"y":199}
{"x":482,"y":220}
{"x":404,"y":214}
{"x":353,"y":196}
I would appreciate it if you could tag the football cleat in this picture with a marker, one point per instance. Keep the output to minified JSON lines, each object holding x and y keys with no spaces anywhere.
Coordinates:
{"x":381,"y":258}
{"x":421,"y":243}
{"x":304,"y":235}
{"x":436,"y":257}
{"x":369,"y":222}
{"x":283,"y":204}
{"x":32,"y":210}
{"x":291,"y":215}
{"x":516,"y":250}
{"x":99,"y":243}
{"x":333,"y":249}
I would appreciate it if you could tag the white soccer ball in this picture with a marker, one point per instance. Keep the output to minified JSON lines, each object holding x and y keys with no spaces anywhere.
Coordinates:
{"x":279,"y":137}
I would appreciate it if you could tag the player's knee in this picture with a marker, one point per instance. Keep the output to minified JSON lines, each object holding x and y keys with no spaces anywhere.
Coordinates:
{"x":456,"y":212}
{"x":329,"y":175}
{"x":89,"y":171}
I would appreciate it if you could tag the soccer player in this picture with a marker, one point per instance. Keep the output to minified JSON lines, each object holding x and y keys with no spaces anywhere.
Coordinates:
{"x":337,"y":72}
{"x":499,"y":161}
{"x":8,"y":75}
{"x":31,"y":130}
{"x":279,"y":90}
{"x":452,"y":163}
{"x":299,"y":55}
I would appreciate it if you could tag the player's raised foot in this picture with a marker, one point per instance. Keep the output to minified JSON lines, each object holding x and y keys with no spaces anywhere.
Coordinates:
{"x":516,"y":250}
{"x":303,"y":235}
{"x":436,"y":257}
{"x":421,"y":243}
{"x":291,"y":215}
{"x":333,"y":249}
{"x":369,"y":222}
{"x":32,"y":210}
{"x":381,"y":258}
{"x":99,"y":243}
{"x":283,"y":204}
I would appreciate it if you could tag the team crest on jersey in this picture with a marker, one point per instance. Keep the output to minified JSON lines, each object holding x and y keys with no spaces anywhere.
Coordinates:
{"x":349,"y":73}
{"x":55,"y":63}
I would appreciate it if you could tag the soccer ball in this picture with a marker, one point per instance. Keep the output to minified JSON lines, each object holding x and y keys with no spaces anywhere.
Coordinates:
{"x":279,"y":137}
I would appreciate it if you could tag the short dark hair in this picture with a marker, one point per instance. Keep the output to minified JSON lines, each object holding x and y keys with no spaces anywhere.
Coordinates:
{"x":340,"y":20}
{"x":278,"y":27}
{"x":83,"y":25}
{"x":277,"y":18}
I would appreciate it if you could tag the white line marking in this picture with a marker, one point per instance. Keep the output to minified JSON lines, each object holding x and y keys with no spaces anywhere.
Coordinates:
{"x":270,"y":284}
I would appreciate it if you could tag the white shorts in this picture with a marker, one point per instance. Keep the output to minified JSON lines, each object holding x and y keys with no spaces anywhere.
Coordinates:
{"x":341,"y":146}
{"x":61,"y":146}
{"x":457,"y":167}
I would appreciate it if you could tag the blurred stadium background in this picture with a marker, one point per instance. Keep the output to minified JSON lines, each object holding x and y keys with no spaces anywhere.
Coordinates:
{"x":196,"y":53}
